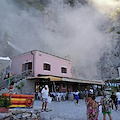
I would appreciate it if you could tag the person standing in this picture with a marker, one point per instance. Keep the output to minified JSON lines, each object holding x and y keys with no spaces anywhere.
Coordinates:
{"x":11,"y":87}
{"x":77,"y":97}
{"x":87,"y":105}
{"x":118,"y":98}
{"x":114,"y":99}
{"x":91,"y":90}
{"x":92,"y":109}
{"x":85,"y":95}
{"x":38,"y":96}
{"x":106,"y":103}
{"x":44,"y":96}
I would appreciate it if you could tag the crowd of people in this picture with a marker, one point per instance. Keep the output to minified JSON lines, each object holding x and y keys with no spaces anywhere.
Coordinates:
{"x":106,"y":103}
{"x":93,"y":107}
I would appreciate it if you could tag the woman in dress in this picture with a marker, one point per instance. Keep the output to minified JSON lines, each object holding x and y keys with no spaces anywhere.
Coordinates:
{"x":92,"y":109}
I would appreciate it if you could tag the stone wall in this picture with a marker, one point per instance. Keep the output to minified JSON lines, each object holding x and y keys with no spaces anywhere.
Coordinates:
{"x":28,"y":88}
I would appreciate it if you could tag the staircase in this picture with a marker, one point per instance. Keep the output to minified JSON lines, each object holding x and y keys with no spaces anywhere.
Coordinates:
{"x":16,"y":78}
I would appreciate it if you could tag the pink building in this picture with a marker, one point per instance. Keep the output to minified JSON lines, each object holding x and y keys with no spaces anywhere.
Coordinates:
{"x":43,"y":68}
{"x":41,"y":64}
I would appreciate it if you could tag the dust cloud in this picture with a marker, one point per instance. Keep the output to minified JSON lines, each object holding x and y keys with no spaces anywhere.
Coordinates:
{"x":70,"y":32}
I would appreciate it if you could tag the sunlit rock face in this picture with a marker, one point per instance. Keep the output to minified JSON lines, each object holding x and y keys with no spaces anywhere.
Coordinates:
{"x":110,"y":60}
{"x":79,"y":30}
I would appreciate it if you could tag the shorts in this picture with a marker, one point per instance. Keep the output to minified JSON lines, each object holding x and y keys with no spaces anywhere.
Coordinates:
{"x":109,"y":112}
{"x":45,"y":100}
{"x":118,"y":102}
{"x":115,"y":102}
{"x":77,"y":97}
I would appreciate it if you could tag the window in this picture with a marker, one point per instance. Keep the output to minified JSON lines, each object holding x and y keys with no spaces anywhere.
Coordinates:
{"x":46,"y":66}
{"x":63,"y":70}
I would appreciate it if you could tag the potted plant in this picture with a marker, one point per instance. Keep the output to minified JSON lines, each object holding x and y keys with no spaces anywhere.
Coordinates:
{"x":5,"y":102}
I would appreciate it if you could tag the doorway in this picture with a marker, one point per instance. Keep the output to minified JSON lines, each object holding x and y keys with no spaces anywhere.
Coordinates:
{"x":27,"y":68}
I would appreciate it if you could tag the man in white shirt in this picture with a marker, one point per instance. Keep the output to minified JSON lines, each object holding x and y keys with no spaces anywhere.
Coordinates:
{"x":118,"y":98}
{"x":91,"y":91}
{"x":44,"y":96}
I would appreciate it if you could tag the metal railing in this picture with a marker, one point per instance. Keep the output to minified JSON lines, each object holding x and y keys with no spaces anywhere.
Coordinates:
{"x":16,"y":78}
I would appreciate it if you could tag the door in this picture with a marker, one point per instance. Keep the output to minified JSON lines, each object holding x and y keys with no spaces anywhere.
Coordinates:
{"x":27,"y":68}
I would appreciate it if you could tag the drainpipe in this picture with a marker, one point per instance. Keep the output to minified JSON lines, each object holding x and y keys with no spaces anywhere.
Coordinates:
{"x":33,"y":61}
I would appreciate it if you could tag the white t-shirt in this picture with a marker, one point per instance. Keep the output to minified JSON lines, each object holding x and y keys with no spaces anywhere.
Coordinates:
{"x":118,"y":95}
{"x":91,"y":91}
{"x":44,"y":93}
{"x":76,"y":93}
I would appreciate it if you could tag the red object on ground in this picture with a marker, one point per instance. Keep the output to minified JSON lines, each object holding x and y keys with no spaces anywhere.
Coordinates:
{"x":6,"y":94}
{"x":3,"y":110}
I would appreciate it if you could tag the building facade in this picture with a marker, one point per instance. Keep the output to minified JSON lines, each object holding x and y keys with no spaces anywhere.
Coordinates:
{"x":40,"y":68}
{"x":44,"y":69}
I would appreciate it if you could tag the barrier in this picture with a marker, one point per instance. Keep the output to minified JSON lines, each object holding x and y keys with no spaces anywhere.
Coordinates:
{"x":20,"y":100}
{"x":6,"y":94}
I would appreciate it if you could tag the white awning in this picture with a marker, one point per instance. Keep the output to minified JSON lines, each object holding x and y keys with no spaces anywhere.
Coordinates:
{"x":96,"y":82}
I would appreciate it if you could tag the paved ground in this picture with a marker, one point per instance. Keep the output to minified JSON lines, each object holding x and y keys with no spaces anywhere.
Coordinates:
{"x":67,"y":109}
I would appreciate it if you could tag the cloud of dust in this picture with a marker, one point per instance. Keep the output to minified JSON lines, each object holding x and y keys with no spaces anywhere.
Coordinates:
{"x":108,"y":7}
{"x":70,"y":32}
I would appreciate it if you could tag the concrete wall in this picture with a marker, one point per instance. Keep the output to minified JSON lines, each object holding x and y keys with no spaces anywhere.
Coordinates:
{"x":28,"y":87}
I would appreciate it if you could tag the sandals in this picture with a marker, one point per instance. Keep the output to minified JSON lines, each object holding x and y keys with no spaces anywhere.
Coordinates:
{"x":42,"y":110}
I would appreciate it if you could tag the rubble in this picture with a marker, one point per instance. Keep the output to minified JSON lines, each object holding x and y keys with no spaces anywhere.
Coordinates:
{"x":20,"y":114}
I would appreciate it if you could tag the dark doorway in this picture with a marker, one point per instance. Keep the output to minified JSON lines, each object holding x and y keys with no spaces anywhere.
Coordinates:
{"x":27,"y":67}
{"x":38,"y":86}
